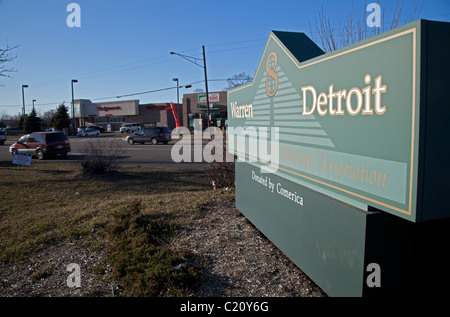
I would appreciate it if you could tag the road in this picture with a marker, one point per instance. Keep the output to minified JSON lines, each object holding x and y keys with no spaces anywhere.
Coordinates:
{"x":146,"y":155}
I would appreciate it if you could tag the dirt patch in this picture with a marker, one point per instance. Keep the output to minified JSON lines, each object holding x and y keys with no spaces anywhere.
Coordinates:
{"x":241,"y":262}
{"x":45,"y":274}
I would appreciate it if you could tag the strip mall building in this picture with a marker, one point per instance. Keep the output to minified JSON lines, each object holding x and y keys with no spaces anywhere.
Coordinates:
{"x":112,"y":115}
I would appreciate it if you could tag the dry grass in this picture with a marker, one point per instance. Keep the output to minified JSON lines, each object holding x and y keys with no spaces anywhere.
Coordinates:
{"x":47,"y":204}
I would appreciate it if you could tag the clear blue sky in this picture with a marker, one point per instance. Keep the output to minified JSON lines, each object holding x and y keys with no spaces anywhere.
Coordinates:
{"x":122,"y":47}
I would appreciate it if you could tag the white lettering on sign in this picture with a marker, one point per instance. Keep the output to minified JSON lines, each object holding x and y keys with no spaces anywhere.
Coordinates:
{"x":244,"y":111}
{"x":355,"y":101}
{"x":280,"y":190}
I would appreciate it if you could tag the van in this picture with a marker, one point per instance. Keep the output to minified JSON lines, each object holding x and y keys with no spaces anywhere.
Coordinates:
{"x":130,"y":127}
{"x":42,"y":144}
{"x":152,"y":135}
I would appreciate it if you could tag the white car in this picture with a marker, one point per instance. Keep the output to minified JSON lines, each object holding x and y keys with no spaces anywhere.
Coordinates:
{"x":130,"y":127}
{"x":88,"y":132}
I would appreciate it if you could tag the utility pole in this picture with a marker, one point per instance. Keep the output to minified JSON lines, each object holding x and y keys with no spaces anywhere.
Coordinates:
{"x":206,"y":86}
{"x":73,"y":109}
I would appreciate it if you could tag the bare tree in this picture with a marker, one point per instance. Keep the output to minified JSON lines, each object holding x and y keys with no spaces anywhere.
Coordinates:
{"x":331,"y":36}
{"x":238,"y":80}
{"x":7,"y":56}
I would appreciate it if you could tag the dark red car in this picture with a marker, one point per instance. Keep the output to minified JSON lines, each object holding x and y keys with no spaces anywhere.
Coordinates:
{"x":42,"y":144}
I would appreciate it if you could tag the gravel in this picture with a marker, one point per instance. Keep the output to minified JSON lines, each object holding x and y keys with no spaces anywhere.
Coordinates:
{"x":239,"y":262}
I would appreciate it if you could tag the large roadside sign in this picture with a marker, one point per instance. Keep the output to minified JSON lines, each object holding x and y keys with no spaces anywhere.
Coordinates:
{"x":341,"y":154}
{"x":348,"y":124}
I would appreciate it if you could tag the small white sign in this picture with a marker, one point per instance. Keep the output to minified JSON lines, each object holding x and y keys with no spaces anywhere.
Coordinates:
{"x":212,"y":97}
{"x":22,"y":159}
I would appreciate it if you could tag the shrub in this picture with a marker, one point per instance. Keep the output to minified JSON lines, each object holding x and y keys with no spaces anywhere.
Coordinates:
{"x":100,"y":155}
{"x":222,"y":173}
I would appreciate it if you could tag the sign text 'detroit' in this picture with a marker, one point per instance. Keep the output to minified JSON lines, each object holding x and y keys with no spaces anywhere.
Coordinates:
{"x":346,"y":126}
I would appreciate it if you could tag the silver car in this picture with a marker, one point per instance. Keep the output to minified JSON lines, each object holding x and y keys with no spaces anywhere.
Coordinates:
{"x":88,"y":132}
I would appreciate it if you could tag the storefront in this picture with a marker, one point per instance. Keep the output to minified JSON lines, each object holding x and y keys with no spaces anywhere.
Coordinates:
{"x":195,"y":107}
{"x":112,"y":115}
{"x":115,"y":114}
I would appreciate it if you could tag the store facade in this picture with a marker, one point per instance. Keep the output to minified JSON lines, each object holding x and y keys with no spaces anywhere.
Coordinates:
{"x":194,"y":107}
{"x":113,"y":114}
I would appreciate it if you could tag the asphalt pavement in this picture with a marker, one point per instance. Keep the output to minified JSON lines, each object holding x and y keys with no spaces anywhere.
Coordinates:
{"x":142,"y":155}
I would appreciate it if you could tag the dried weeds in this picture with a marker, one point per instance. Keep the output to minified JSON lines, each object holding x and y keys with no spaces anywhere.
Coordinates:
{"x":239,"y":262}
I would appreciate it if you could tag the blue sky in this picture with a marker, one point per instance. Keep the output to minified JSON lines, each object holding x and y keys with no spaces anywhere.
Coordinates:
{"x":122,"y":47}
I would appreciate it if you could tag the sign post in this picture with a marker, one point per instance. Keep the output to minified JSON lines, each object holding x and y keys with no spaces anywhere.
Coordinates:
{"x":338,"y":150}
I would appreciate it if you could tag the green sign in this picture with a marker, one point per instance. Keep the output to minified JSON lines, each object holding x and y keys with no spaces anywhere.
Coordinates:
{"x":215,"y":106}
{"x":345,"y":124}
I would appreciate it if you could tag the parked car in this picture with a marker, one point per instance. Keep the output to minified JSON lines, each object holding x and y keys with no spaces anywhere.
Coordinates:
{"x":152,"y":135}
{"x":130,"y":127}
{"x":13,"y":131}
{"x":88,"y":132}
{"x":67,"y":131}
{"x":2,"y":137}
{"x":42,"y":144}
{"x":99,"y":128}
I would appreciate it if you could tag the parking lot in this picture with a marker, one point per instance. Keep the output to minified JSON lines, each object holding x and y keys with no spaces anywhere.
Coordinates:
{"x":144,"y":155}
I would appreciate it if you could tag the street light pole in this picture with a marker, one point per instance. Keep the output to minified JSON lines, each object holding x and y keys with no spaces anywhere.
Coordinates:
{"x":194,"y":61}
{"x":33,"y":103}
{"x":178,"y":93}
{"x":73,"y":111}
{"x":206,"y":85}
{"x":23,"y":99}
{"x":178,"y":90}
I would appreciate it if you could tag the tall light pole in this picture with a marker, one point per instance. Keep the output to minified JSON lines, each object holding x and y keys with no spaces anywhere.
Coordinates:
{"x":73,"y":112}
{"x":194,"y":61}
{"x":178,"y":93}
{"x":23,"y":99}
{"x":34,"y":100}
{"x":206,"y":86}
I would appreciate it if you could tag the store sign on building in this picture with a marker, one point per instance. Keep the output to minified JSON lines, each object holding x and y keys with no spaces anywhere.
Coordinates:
{"x":213,"y":97}
{"x":214,"y":106}
{"x":108,"y":108}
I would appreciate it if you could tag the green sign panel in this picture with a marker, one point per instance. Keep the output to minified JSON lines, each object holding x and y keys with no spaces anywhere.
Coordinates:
{"x":336,"y":150}
{"x":215,"y":106}
{"x":345,"y":124}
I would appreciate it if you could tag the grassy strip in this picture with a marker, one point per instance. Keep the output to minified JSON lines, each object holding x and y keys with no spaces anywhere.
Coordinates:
{"x":141,"y":259}
{"x":132,"y":212}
